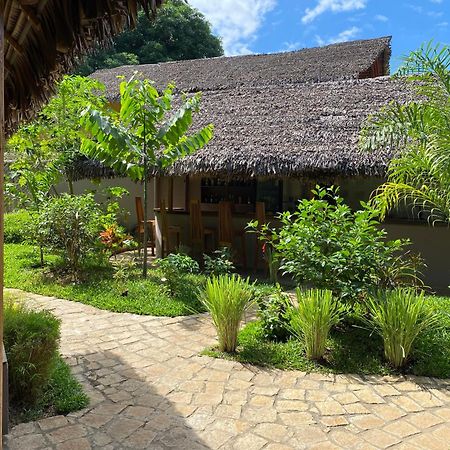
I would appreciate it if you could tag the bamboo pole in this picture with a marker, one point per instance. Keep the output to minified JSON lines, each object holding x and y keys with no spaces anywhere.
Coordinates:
{"x":2,"y":144}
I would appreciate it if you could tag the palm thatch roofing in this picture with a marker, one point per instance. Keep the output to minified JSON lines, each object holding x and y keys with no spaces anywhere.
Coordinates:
{"x":293,"y":130}
{"x":43,"y":38}
{"x":287,"y":114}
{"x":348,"y":60}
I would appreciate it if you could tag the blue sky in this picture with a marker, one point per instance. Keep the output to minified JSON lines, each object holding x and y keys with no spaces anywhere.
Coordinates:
{"x":267,"y":26}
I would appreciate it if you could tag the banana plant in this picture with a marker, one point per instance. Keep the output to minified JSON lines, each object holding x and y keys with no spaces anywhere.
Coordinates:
{"x":144,"y":136}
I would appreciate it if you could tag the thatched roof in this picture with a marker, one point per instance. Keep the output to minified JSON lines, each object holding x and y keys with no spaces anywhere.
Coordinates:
{"x":308,"y":130}
{"x":287,"y":114}
{"x":293,"y":130}
{"x":42,"y":39}
{"x":348,"y":60}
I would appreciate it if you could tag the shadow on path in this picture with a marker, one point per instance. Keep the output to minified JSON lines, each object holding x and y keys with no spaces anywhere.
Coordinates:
{"x":126,"y":411}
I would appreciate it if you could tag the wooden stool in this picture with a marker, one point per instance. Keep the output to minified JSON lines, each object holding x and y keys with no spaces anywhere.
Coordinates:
{"x":140,"y":227}
{"x":167,"y":231}
{"x":227,"y":233}
{"x":199,"y":233}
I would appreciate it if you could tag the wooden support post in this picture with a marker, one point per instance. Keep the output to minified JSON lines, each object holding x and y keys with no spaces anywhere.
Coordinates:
{"x":2,"y":146}
{"x":158,"y":234}
{"x":187,"y":199}
{"x":157,"y":191}
{"x":170,"y":194}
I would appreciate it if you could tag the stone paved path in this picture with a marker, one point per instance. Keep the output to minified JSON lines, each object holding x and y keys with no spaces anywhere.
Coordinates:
{"x":149,"y":389}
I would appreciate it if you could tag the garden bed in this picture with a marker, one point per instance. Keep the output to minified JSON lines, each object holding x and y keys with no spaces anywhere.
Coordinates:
{"x":62,"y":395}
{"x":351,"y":348}
{"x":98,"y":287}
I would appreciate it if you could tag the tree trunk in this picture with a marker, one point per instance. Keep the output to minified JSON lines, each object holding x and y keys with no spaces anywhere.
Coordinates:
{"x":70,"y":184}
{"x":144,"y":244}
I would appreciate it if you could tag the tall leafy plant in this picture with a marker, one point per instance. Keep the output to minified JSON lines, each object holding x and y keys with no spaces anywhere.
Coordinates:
{"x":326,"y":245}
{"x":144,"y":135}
{"x":312,"y":319}
{"x":45,"y":149}
{"x":30,"y":188}
{"x":399,"y":317}
{"x":70,"y":225}
{"x":226,"y":298}
{"x":52,"y":141}
{"x":419,"y":176}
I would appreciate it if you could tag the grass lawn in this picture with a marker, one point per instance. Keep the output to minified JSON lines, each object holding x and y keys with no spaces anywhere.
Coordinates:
{"x":99,"y":289}
{"x":62,"y":395}
{"x":351,"y":349}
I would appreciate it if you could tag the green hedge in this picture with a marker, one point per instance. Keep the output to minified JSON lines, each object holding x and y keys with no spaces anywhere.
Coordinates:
{"x":17,"y":225}
{"x":31,"y":341}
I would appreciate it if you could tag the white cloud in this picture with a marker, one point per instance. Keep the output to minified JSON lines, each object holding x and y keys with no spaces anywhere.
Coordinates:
{"x":237,"y":23}
{"x":443,"y":24}
{"x":421,"y":10}
{"x":436,"y":1}
{"x":343,"y":36}
{"x":291,"y":46}
{"x":323,"y":6}
{"x":381,"y":18}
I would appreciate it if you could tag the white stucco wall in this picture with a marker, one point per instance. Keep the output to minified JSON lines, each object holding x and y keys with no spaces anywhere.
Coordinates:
{"x":127,"y":202}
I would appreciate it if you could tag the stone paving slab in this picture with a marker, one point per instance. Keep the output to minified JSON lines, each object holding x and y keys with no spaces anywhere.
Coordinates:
{"x":150,"y":389}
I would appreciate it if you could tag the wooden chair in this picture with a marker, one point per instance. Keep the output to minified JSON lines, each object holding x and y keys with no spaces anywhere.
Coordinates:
{"x":140,"y":227}
{"x":167,"y":231}
{"x":260,"y":216}
{"x":199,"y":234}
{"x":226,"y":232}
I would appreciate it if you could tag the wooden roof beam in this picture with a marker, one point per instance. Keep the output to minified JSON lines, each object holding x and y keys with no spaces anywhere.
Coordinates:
{"x":15,"y":44}
{"x":31,"y":15}
{"x":8,"y":66}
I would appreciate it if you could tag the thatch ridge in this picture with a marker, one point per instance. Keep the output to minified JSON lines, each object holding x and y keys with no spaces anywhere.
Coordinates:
{"x":43,"y":39}
{"x":348,"y":60}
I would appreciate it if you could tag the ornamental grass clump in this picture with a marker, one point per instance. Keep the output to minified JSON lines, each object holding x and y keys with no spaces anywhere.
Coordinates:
{"x":227,"y":298}
{"x":312,"y":320}
{"x":399,"y":317}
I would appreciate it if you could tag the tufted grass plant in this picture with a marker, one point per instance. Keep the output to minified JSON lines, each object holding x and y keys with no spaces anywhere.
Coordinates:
{"x":227,"y":297}
{"x":312,"y":320}
{"x":399,"y":317}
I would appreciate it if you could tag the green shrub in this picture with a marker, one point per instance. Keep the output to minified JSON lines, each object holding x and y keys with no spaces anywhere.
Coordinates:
{"x":17,"y":226}
{"x":219,"y":264}
{"x":31,"y":341}
{"x":399,"y":317}
{"x":227,"y":298}
{"x":325,"y":245}
{"x":312,"y":320}
{"x":273,"y":312}
{"x":175,"y":267}
{"x":70,"y":226}
{"x":179,"y":262}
